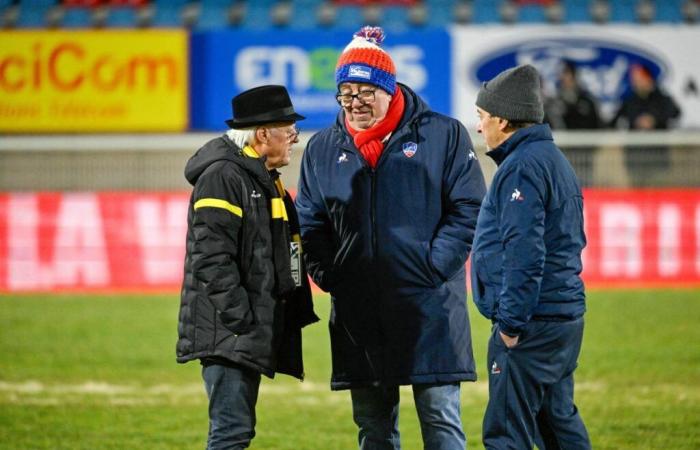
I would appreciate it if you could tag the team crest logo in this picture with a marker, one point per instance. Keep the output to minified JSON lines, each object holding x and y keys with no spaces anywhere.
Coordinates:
{"x":495,"y":370}
{"x":409,"y":149}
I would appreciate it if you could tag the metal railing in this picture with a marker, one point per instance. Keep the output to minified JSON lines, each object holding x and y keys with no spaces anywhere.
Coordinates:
{"x":156,"y":161}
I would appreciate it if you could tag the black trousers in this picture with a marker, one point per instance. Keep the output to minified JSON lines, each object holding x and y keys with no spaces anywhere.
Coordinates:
{"x":531,"y":388}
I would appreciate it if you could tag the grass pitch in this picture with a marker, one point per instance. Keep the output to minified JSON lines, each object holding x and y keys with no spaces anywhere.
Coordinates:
{"x":99,"y":372}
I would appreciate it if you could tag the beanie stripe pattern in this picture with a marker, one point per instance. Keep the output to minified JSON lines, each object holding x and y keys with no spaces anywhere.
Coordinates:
{"x":364,"y":61}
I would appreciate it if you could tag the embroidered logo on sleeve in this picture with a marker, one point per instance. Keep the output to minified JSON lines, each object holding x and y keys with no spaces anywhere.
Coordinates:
{"x":472,"y":155}
{"x":516,"y":195}
{"x":343,"y":158}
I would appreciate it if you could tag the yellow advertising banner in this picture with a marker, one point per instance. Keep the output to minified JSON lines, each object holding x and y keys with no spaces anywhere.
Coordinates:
{"x":93,"y":81}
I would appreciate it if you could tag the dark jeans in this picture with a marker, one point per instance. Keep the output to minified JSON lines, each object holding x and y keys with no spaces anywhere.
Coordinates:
{"x":232,"y":394}
{"x":531,"y":387}
{"x":376,"y":413}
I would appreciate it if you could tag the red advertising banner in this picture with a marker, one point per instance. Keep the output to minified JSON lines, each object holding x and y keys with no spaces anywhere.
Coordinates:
{"x":117,"y":241}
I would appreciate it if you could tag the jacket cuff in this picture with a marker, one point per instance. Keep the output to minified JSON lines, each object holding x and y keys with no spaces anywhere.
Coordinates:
{"x":510,"y":332}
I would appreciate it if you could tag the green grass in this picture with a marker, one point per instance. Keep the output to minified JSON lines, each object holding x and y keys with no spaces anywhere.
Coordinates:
{"x":99,"y":372}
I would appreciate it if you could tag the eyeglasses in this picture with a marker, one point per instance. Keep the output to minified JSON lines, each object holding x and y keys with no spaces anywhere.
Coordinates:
{"x":364,"y":97}
{"x":290,"y":134}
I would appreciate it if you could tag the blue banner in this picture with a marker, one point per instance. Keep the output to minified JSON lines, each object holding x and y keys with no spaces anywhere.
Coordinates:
{"x":225,"y":63}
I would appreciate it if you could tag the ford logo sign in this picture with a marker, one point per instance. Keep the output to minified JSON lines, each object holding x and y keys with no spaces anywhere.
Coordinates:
{"x":603,"y":66}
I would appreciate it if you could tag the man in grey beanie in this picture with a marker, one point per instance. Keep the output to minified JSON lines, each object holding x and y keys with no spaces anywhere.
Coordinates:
{"x":526,"y":266}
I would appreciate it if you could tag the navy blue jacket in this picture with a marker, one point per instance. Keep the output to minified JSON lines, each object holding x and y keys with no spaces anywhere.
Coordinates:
{"x":390,"y":245}
{"x":526,"y":261}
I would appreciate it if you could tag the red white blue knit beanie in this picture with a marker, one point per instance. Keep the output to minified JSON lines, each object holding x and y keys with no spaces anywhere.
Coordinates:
{"x":364,"y":61}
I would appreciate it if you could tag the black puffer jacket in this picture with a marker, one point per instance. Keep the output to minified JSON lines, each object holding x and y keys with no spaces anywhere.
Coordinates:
{"x":238,"y":303}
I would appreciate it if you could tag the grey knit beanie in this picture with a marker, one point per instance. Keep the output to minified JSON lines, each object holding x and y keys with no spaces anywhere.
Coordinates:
{"x":513,"y":94}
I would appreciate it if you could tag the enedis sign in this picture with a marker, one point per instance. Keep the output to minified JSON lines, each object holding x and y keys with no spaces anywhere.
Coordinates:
{"x":93,"y":81}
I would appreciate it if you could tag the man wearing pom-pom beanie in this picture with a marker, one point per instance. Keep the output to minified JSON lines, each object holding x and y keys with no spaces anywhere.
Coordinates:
{"x":388,"y":199}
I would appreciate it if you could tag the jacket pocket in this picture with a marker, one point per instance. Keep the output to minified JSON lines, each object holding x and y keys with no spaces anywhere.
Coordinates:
{"x":488,"y":272}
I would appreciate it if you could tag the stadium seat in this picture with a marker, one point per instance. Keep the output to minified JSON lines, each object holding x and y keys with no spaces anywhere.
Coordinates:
{"x":32,"y":14}
{"x":77,"y":18}
{"x":577,"y":11}
{"x":440,"y":13}
{"x":257,"y":16}
{"x":168,"y":13}
{"x":395,"y":18}
{"x":122,"y":17}
{"x":486,"y":11}
{"x":669,"y":11}
{"x":348,"y":18}
{"x":623,"y":11}
{"x":531,"y":14}
{"x":213,"y":14}
{"x":304,"y":14}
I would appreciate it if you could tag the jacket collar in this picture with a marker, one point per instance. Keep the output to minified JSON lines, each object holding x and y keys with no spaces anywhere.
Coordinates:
{"x":539,"y":132}
{"x":414,"y":107}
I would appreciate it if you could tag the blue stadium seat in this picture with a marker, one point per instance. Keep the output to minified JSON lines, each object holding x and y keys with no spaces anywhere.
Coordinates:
{"x":257,"y":16}
{"x":33,"y":13}
{"x":439,"y":14}
{"x":77,"y":18}
{"x":395,"y":18}
{"x":167,"y":13}
{"x":623,"y":11}
{"x":669,"y":11}
{"x":531,"y":14}
{"x":486,"y":11}
{"x":348,"y":18}
{"x":304,"y":14}
{"x":122,"y":17}
{"x":213,"y":16}
{"x":577,"y":10}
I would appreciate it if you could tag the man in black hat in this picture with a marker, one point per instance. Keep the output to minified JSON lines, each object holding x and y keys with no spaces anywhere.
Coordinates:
{"x":245,"y":294}
{"x":526,"y":266}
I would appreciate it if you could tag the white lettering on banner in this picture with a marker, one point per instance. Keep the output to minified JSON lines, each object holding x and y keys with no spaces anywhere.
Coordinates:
{"x":621,"y":240}
{"x":410,"y":69}
{"x":23,"y":268}
{"x":669,"y":240}
{"x":291,"y":66}
{"x":78,"y":246}
{"x":161,"y":236}
{"x":285,"y":65}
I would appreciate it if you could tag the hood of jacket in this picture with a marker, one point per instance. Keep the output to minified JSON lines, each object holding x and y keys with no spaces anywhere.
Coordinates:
{"x":223,"y":148}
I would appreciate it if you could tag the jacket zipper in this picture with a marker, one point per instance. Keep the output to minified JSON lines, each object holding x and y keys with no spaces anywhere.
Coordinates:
{"x":373,"y":212}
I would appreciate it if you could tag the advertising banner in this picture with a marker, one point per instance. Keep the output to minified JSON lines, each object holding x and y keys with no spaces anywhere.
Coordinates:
{"x":89,"y":81}
{"x":136,"y":241}
{"x":225,"y":63}
{"x":602,"y":54}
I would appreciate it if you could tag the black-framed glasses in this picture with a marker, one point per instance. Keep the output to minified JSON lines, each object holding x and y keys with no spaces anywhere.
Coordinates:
{"x":363,"y":97}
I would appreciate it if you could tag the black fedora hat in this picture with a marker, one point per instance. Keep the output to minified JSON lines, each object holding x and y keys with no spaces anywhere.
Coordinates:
{"x":260,"y":105}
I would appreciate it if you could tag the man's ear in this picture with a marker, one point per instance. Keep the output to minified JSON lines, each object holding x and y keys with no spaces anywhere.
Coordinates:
{"x":261,"y":135}
{"x":502,"y":124}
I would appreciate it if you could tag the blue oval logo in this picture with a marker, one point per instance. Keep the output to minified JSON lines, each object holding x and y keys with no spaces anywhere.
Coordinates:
{"x":603,"y":66}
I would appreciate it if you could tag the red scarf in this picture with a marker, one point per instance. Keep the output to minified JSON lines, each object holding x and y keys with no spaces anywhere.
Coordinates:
{"x":369,"y":141}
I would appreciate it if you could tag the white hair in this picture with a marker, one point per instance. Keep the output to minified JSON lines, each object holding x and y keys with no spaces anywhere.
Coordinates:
{"x":243,"y":136}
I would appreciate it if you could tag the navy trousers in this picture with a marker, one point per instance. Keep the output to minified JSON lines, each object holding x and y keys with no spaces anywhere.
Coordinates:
{"x":531,"y":388}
